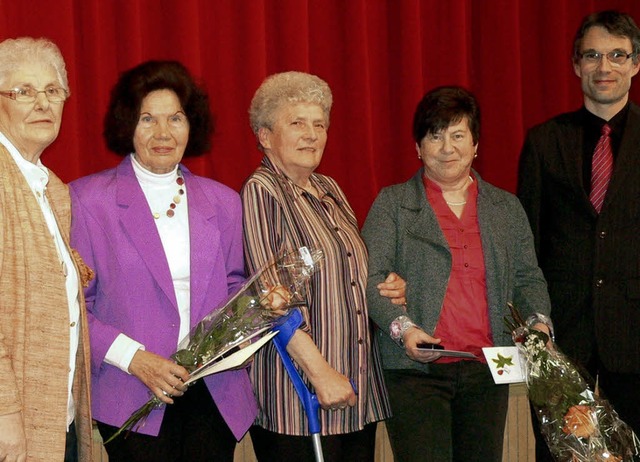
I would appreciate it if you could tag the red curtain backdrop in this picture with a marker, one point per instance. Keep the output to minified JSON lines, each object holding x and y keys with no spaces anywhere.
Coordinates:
{"x":378,"y":56}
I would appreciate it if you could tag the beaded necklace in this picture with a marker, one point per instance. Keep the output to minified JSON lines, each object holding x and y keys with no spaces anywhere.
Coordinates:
{"x":176,"y":199}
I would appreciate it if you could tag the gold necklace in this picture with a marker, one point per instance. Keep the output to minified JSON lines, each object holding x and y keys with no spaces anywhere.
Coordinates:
{"x":461,"y":202}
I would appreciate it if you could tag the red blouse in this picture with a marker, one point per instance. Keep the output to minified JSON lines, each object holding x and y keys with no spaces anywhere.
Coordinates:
{"x":464,"y":319}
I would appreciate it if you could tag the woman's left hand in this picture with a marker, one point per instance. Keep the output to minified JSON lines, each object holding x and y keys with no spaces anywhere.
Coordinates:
{"x":542,"y":327}
{"x":161,"y":375}
{"x":393,"y":287}
{"x":415,"y":336}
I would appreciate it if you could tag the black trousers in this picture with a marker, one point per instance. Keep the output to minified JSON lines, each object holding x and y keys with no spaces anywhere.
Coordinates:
{"x":192,"y":430}
{"x":454,"y":413}
{"x":71,"y":446}
{"x":348,"y":447}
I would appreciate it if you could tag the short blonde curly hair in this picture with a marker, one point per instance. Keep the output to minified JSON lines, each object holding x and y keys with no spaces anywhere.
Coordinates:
{"x":284,"y":88}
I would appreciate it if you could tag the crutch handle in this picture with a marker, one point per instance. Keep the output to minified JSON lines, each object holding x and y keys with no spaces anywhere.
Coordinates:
{"x":286,"y":327}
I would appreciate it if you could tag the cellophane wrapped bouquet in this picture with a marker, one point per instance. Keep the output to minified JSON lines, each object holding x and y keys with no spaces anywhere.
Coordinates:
{"x":578,"y":424}
{"x":240,"y":322}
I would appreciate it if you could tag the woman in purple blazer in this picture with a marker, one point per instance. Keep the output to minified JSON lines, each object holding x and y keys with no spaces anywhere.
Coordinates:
{"x":166,"y":248}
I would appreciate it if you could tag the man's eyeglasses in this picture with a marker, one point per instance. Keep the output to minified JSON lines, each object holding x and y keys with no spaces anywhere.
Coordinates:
{"x":29,"y":94}
{"x":615,"y":57}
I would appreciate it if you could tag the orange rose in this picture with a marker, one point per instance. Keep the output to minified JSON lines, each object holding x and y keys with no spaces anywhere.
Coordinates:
{"x":612,"y":458}
{"x":277,"y":299}
{"x":579,"y":421}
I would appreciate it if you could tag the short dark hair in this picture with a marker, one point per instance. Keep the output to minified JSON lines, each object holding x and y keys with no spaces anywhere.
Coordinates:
{"x":616,"y":23}
{"x":135,"y":84}
{"x":443,"y":106}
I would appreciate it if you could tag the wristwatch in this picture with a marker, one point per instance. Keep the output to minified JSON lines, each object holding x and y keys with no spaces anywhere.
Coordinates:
{"x":398,"y":327}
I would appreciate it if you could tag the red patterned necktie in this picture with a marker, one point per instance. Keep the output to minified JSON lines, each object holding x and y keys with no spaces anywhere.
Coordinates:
{"x":601,"y":167}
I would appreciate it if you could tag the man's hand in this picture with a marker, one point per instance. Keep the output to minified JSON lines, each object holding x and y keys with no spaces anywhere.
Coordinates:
{"x":394,"y":287}
{"x":163,"y":377}
{"x":13,"y":444}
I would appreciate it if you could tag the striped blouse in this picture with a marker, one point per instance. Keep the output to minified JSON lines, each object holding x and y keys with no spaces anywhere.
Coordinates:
{"x":280,"y":215}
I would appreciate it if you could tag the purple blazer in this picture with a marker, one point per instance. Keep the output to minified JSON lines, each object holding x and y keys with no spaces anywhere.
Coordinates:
{"x":132,"y":292}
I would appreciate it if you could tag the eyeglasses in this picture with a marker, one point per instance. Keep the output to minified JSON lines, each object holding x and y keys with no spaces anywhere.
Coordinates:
{"x":177,"y":120}
{"x":615,"y":57}
{"x":29,"y":94}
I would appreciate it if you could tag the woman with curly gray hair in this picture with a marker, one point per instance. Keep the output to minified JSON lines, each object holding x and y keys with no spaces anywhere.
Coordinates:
{"x":287,"y":206}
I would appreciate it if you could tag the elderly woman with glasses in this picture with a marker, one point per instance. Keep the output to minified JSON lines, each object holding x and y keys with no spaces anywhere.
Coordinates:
{"x":44,"y":354}
{"x":287,"y":205}
{"x":166,"y":248}
{"x":465,"y":249}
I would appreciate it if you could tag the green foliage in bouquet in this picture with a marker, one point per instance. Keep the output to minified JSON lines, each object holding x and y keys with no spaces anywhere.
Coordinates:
{"x":550,"y":384}
{"x":577,"y":424}
{"x":251,"y":312}
{"x":228,"y":328}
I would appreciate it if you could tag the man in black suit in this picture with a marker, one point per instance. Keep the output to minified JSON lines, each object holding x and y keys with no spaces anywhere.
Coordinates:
{"x":590,"y":254}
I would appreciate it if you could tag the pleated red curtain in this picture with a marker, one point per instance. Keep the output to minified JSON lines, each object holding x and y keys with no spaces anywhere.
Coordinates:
{"x":378,"y":56}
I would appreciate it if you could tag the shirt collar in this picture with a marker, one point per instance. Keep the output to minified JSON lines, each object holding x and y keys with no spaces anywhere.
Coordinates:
{"x":37,"y":175}
{"x":433,"y":186}
{"x":617,"y":122}
{"x":296,"y":190}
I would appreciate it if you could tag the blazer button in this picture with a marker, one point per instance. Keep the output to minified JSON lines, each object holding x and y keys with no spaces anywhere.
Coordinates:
{"x":602,"y":234}
{"x":599,"y":283}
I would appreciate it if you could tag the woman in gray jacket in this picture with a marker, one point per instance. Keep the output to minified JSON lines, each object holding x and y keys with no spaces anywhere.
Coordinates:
{"x":465,"y":249}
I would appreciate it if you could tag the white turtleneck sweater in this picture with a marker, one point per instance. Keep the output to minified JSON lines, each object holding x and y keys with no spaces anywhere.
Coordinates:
{"x":160,"y":190}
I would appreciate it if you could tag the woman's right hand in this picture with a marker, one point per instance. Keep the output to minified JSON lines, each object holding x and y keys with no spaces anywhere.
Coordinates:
{"x":13,"y":445}
{"x":162,"y":376}
{"x":334,"y":390}
{"x":414,"y":336}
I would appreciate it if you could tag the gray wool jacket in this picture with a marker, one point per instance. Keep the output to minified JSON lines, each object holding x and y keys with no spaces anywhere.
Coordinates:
{"x":403,"y":235}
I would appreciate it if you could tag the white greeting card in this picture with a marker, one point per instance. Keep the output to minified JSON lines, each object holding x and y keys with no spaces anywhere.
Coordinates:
{"x":504,"y":363}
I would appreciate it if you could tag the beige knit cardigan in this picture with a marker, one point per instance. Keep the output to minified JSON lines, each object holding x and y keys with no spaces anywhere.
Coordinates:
{"x":34,"y":320}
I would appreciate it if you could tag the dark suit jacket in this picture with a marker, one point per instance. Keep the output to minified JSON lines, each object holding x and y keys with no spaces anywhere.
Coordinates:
{"x":590,"y":262}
